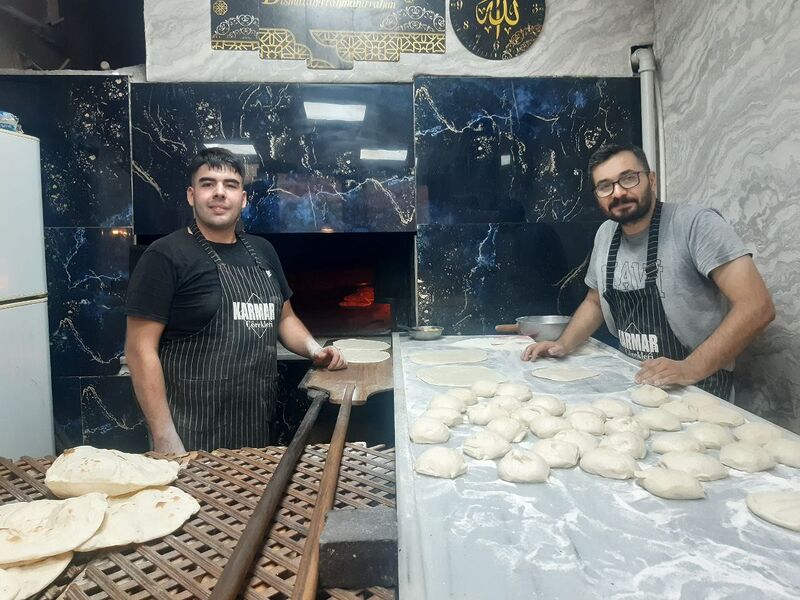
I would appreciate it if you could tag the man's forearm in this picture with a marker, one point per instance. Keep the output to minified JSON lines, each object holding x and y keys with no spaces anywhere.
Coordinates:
{"x":148,"y":384}
{"x":583,"y":324}
{"x":296,"y":338}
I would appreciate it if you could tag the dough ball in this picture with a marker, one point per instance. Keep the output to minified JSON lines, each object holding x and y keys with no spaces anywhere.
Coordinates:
{"x":520,"y":391}
{"x":658,"y":419}
{"x":485,"y":388}
{"x":587,"y":422}
{"x":670,"y":484}
{"x":447,"y":463}
{"x":699,"y":465}
{"x":508,"y":403}
{"x":647,"y":395}
{"x":481,"y":414}
{"x":699,"y":399}
{"x":508,"y":428}
{"x":746,"y":457}
{"x":626,"y":442}
{"x":676,"y":442}
{"x":557,"y":453}
{"x":523,"y":466}
{"x":608,"y":463}
{"x":467,"y":397}
{"x":428,"y":431}
{"x":720,"y":414}
{"x":681,"y":409}
{"x":710,"y":435}
{"x":447,"y":401}
{"x":613,"y":407}
{"x":547,"y":426}
{"x":586,"y":408}
{"x":757,"y":433}
{"x":786,"y":452}
{"x":555,"y":406}
{"x":448,"y":416}
{"x":620,"y":424}
{"x":582,"y":440}
{"x":526,"y":414}
{"x":486,"y":445}
{"x":779,"y":508}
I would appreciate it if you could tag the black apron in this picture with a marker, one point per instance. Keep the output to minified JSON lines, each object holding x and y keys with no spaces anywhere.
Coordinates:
{"x":642,"y":326}
{"x":221,"y":381}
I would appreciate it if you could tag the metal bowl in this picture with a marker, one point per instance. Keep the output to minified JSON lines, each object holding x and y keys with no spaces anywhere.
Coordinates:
{"x":424,"y":332}
{"x":542,"y":327}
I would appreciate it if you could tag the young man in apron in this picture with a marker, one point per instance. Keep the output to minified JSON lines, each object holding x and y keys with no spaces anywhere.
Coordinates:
{"x":673,"y":282}
{"x":206,"y":308}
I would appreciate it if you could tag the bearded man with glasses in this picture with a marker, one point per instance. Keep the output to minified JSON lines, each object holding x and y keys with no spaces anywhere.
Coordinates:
{"x":673,"y":282}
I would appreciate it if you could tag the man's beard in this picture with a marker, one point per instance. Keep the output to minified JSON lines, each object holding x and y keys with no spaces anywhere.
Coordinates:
{"x":641,"y":210}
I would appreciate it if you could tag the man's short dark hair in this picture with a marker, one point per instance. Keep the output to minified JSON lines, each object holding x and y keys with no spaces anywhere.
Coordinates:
{"x":216,"y":158}
{"x":603,"y":153}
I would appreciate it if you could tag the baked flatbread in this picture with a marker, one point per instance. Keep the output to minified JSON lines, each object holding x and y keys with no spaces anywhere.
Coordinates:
{"x":32,"y":578}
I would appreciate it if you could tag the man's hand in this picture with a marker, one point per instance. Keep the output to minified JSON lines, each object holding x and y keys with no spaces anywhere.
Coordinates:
{"x":543,"y":350}
{"x":168,"y":442}
{"x":663,"y":371}
{"x":329,"y":357}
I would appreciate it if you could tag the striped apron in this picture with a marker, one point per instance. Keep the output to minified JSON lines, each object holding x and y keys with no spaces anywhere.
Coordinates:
{"x":642,"y":326}
{"x":221,"y":381}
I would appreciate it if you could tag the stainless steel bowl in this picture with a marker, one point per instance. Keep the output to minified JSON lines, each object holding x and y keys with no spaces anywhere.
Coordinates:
{"x":542,"y":327}
{"x":423,"y":332}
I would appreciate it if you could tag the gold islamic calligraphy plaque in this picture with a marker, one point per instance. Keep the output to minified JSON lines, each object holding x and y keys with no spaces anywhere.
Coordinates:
{"x":497,"y":29}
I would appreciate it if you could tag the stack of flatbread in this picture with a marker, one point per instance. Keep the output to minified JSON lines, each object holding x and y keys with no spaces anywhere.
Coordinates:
{"x":110,"y":498}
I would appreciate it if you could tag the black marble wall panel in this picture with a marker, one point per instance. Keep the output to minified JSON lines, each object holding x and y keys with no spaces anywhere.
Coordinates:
{"x":306,"y":167}
{"x":111,"y":416}
{"x":67,"y":418}
{"x":87,"y":278}
{"x":472,"y":277}
{"x":83,"y":122}
{"x":515,"y":150}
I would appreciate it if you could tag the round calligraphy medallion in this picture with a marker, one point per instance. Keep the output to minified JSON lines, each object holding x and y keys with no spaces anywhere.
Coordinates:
{"x":497,"y":29}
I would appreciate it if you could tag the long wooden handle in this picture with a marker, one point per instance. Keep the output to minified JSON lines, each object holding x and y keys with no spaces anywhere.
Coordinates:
{"x":510,"y":328}
{"x":252,"y":539}
{"x":305,"y":586}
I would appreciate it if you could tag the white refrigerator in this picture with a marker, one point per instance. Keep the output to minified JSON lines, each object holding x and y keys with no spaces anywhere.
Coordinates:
{"x":26,"y":403}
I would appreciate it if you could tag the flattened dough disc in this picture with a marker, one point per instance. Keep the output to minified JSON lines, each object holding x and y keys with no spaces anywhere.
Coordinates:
{"x":359,"y":344}
{"x":564,"y":373}
{"x":458,"y":375}
{"x":448,"y":357}
{"x":360,"y":356}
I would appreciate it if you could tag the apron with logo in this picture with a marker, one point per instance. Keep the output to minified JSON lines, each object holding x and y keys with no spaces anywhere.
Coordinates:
{"x":221,"y":381}
{"x":642,"y":325}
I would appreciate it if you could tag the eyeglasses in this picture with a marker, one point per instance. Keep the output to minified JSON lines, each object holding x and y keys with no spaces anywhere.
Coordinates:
{"x":626,"y":182}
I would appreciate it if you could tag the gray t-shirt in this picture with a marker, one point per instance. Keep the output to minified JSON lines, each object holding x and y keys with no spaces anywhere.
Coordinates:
{"x":692,"y":242}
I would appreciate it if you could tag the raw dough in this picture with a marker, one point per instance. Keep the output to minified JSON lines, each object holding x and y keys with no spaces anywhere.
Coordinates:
{"x":710,"y":435}
{"x":526,"y":414}
{"x":699,"y":399}
{"x":583,"y":441}
{"x":786,"y":452}
{"x":447,"y":357}
{"x":481,"y":414}
{"x":446,"y":401}
{"x":520,"y":391}
{"x":721,"y":415}
{"x":357,"y":356}
{"x":658,"y":419}
{"x":466,"y":396}
{"x":448,"y":416}
{"x":548,"y":426}
{"x":508,"y":428}
{"x":508,"y":403}
{"x":484,"y":388}
{"x":142,"y":516}
{"x":746,"y":457}
{"x":557,"y":453}
{"x":613,"y":407}
{"x":699,"y":465}
{"x":564,"y":373}
{"x":647,"y":395}
{"x":554,"y":406}
{"x":458,"y":375}
{"x":670,"y":484}
{"x":681,"y":409}
{"x":779,"y":508}
{"x":426,"y":430}
{"x":620,"y":424}
{"x":587,"y":408}
{"x":626,"y":442}
{"x":359,"y":344}
{"x":587,"y":422}
{"x":447,"y":463}
{"x":757,"y":433}
{"x":32,"y":578}
{"x":486,"y":445}
{"x":676,"y":442}
{"x":523,"y":466}
{"x":608,"y":463}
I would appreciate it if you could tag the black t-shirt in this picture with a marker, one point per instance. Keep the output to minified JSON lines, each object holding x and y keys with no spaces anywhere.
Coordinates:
{"x":176,"y":283}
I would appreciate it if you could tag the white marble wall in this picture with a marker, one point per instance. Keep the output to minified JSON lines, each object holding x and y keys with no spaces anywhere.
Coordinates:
{"x":730,"y":74}
{"x":580,"y":37}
